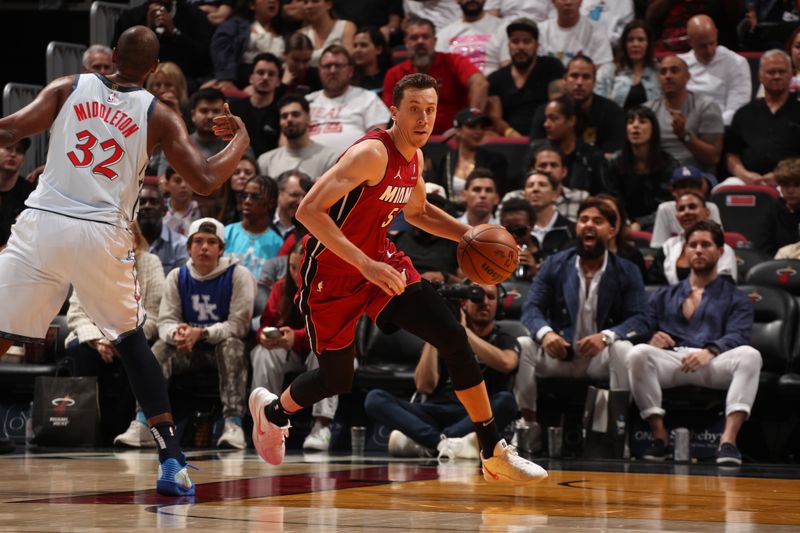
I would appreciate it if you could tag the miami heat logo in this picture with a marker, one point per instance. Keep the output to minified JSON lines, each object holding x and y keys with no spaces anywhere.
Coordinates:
{"x":61,"y":405}
{"x":755,"y":297}
{"x":510,"y":298}
{"x":784,"y":274}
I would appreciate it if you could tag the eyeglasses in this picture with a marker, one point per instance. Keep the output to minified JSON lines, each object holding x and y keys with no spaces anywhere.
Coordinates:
{"x":334,"y":66}
{"x":255,"y":196}
{"x":517,"y":230}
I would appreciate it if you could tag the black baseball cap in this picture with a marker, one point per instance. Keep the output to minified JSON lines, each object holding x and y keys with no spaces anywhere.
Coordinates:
{"x":523,"y":24}
{"x":469,"y":116}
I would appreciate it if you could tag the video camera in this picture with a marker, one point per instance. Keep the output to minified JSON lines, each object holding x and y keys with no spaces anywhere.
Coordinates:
{"x":461,"y":291}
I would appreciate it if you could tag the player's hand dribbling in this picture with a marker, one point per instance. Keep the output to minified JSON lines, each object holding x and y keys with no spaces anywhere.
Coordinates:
{"x":384,"y":276}
{"x":227,"y":125}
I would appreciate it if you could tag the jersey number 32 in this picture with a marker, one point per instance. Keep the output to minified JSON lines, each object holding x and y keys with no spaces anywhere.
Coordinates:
{"x":85,"y":158}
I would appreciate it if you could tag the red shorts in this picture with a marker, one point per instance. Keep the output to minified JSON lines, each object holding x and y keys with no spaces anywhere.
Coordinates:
{"x":335,"y":303}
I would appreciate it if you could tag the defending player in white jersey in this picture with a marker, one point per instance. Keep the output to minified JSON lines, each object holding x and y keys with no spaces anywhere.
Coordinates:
{"x":75,"y":230}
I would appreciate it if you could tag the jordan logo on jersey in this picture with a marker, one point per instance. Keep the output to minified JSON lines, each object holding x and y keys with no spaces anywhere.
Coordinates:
{"x":205,"y":310}
{"x":396,"y":195}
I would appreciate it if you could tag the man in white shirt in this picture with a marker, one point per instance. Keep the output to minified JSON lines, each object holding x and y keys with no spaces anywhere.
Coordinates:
{"x":610,"y":16}
{"x":478,"y":36}
{"x":569,"y":33}
{"x":340,"y":112}
{"x":716,"y":72}
{"x":508,"y":10}
{"x":440,"y":12}
{"x":300,"y":152}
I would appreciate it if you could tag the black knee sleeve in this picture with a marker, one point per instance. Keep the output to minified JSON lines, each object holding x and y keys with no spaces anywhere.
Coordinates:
{"x":425,"y":314}
{"x":144,"y":374}
{"x":334,"y":376}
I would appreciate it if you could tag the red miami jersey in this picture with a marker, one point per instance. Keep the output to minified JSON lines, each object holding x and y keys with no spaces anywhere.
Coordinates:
{"x":365,"y":213}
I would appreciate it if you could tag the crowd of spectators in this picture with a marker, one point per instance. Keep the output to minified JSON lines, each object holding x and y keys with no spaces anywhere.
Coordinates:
{"x":630,"y":112}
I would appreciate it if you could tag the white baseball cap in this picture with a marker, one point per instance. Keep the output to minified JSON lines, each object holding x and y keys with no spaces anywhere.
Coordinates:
{"x":208,"y":225}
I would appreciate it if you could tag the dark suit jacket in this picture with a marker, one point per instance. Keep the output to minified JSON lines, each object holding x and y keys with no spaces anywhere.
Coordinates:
{"x":554,"y":297}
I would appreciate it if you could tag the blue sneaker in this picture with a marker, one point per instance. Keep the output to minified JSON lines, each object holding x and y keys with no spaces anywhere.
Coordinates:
{"x":173,"y":479}
{"x":728,"y":454}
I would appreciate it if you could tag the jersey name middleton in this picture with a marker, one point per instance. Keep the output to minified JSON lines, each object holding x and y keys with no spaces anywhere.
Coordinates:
{"x":97,"y":153}
{"x":365,"y":213}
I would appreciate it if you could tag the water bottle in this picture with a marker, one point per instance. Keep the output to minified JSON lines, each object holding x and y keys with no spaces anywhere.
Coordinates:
{"x":522,"y":269}
{"x":29,"y":427}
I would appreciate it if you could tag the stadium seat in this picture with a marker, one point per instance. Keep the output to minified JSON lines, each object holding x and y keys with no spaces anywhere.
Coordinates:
{"x":640,"y":239}
{"x":516,"y":291}
{"x":102,"y":19}
{"x":736,"y":240}
{"x":649,"y":255}
{"x":15,"y":97}
{"x":515,"y":150}
{"x":746,"y":209}
{"x":515,"y":328}
{"x":746,"y":259}
{"x":389,"y":362}
{"x":63,"y":59}
{"x":774,"y":327}
{"x":783,"y":274}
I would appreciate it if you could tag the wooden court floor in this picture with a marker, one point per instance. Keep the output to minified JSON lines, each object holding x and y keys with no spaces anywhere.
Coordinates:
{"x":112,"y":491}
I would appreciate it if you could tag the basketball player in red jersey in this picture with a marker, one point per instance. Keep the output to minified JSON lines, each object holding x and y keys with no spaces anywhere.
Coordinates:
{"x":350,"y":268}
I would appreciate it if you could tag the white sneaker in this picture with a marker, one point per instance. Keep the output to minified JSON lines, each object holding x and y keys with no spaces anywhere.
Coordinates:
{"x":268,"y":438}
{"x":232,"y":436}
{"x":465,"y":447}
{"x":402,"y":446}
{"x":319,"y":439}
{"x":527,"y":438}
{"x":505,"y":466}
{"x":136,"y":436}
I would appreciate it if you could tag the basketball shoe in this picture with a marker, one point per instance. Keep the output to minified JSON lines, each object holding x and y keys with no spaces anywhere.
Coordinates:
{"x":453,"y":448}
{"x":505,"y":466}
{"x":173,"y":479}
{"x":267,"y":437}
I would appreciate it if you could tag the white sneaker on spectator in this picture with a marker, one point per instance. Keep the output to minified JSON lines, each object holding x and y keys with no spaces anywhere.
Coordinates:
{"x":268,"y":439}
{"x":136,"y":436}
{"x":232,"y":436}
{"x":402,"y":446}
{"x":465,"y":447}
{"x":319,"y":439}
{"x":505,"y":466}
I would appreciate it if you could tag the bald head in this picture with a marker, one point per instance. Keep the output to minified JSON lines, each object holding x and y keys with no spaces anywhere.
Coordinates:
{"x":137,"y":52}
{"x":702,"y":34}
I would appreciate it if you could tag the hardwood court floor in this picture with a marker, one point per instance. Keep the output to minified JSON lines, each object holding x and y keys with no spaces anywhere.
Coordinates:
{"x":317,"y":493}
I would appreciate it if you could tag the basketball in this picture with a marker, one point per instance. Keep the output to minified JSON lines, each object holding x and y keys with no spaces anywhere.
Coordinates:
{"x":487,"y":254}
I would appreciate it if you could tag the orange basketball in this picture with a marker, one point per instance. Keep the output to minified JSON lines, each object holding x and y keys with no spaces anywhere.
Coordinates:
{"x":488,"y":254}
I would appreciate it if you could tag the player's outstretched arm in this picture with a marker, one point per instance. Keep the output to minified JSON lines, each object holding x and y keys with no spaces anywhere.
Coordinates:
{"x":364,"y":163}
{"x":37,"y":116}
{"x":204,"y":176}
{"x":428,"y":217}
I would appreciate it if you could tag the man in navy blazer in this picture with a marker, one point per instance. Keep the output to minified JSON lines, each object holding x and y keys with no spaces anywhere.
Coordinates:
{"x":584,"y":303}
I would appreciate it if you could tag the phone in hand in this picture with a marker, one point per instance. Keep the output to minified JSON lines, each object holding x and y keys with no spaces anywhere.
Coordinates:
{"x":271,"y":333}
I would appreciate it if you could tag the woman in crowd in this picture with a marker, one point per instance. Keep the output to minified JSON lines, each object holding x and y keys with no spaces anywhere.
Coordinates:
{"x":299,"y":77}
{"x":168,"y":84}
{"x":621,"y":245}
{"x":231,"y":210}
{"x":323,"y":28}
{"x":641,"y":171}
{"x":451,"y":168}
{"x":239,"y":39}
{"x":632,"y":79}
{"x":671,"y":264}
{"x":371,"y":57}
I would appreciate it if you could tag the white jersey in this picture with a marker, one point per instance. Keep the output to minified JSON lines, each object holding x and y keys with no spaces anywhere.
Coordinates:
{"x":97,"y":153}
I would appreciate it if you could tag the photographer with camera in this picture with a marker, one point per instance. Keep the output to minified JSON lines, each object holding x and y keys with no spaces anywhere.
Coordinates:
{"x":441,"y":424}
{"x":582,"y":304}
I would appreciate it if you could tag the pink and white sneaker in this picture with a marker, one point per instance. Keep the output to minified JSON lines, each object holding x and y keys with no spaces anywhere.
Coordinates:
{"x":267,"y":437}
